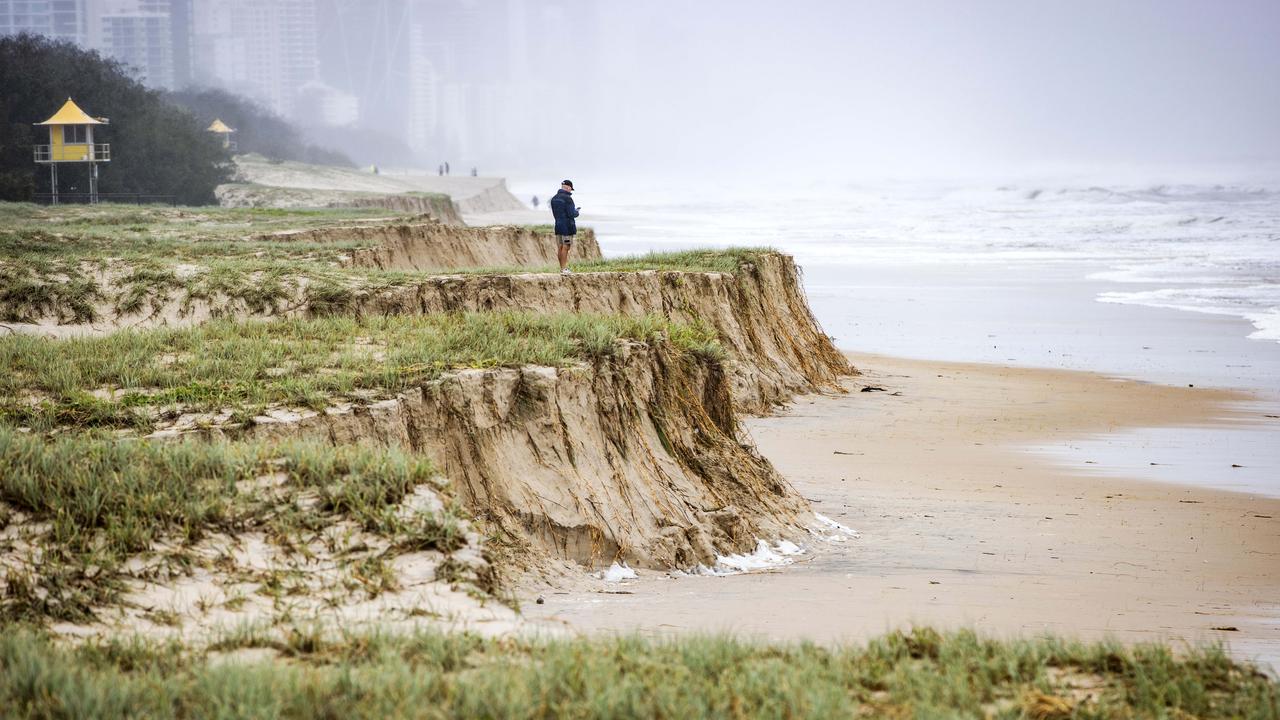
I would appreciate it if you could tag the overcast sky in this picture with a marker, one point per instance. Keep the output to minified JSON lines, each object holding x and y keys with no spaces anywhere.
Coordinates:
{"x":927,"y":87}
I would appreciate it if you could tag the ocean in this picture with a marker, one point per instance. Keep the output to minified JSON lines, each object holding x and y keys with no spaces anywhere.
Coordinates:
{"x":1177,"y":284}
{"x":1207,"y":249}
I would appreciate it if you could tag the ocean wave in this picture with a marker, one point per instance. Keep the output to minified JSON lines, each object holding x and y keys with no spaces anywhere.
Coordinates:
{"x":1163,"y":194}
{"x":1217,"y":244}
{"x":1256,"y":304}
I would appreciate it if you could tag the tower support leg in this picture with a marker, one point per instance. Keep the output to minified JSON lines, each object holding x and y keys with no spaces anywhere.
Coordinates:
{"x":53,"y":183}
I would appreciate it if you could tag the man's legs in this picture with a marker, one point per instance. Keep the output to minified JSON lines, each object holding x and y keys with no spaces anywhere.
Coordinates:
{"x":562,"y":252}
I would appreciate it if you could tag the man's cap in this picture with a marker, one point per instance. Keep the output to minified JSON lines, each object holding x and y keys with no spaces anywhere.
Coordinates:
{"x":569,"y":183}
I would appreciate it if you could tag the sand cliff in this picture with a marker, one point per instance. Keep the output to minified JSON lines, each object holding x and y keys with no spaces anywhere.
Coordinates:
{"x":633,"y":459}
{"x":760,"y":314}
{"x":435,"y":247}
{"x":634,"y":455}
{"x":201,"y":289}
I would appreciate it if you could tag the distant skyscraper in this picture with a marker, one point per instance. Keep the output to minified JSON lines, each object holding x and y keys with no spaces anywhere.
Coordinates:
{"x":151,"y":37}
{"x":423,"y":117}
{"x":320,"y":104}
{"x":464,"y":98}
{"x":59,"y":19}
{"x":265,"y":49}
{"x":180,"y":32}
{"x":140,"y":40}
{"x":364,"y":50}
{"x":67,"y":20}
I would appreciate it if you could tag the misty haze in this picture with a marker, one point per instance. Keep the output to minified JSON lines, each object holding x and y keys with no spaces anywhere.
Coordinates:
{"x":609,"y":359}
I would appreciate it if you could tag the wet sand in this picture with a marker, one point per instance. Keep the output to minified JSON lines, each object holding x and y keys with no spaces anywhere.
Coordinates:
{"x":961,"y":527}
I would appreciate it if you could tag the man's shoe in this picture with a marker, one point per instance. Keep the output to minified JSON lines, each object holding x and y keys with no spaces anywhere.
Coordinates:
{"x":566,"y":271}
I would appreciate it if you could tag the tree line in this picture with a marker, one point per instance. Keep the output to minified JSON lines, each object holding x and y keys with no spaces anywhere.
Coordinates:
{"x":159,"y":142}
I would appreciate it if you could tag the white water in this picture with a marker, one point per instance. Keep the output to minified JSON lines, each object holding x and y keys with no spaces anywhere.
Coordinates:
{"x":1209,"y":249}
{"x":765,"y":556}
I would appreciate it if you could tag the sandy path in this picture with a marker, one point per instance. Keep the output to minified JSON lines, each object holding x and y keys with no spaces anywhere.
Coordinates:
{"x":959,"y":528}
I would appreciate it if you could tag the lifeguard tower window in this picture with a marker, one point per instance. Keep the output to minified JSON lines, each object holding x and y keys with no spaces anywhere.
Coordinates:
{"x":75,"y":134}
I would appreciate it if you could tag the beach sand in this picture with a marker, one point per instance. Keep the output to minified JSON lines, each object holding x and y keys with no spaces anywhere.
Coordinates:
{"x":962,"y":527}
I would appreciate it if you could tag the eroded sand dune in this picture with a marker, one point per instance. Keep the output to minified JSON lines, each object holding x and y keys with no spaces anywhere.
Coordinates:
{"x":634,"y":459}
{"x":760,"y":314}
{"x":633,"y":455}
{"x":435,"y":247}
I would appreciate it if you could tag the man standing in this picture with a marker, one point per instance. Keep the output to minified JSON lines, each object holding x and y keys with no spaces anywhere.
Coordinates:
{"x":564,"y":211}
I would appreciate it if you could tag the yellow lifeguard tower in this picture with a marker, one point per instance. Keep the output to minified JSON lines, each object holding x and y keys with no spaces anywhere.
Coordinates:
{"x":221,"y":128}
{"x":71,"y":141}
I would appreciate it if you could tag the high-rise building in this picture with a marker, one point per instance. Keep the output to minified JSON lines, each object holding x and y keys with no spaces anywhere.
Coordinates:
{"x":364,"y":51}
{"x":320,"y":105}
{"x":180,"y":30}
{"x":67,"y":20}
{"x":488,"y":78}
{"x":423,"y":111}
{"x":140,"y":40}
{"x":265,"y":49}
{"x":59,"y":19}
{"x":462,"y":95}
{"x":151,"y":37}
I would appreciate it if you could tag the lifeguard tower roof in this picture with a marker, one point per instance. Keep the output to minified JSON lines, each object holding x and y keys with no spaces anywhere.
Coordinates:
{"x":71,"y":114}
{"x":217,"y":126}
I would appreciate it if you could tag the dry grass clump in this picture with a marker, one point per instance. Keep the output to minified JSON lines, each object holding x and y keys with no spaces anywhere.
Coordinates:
{"x":462,"y":676}
{"x":126,"y":379}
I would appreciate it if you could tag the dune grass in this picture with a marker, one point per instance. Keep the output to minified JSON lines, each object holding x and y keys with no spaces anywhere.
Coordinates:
{"x":100,"y":499}
{"x":55,"y":262}
{"x":163,"y":223}
{"x":86,"y":264}
{"x":920,"y":674}
{"x":285,"y":197}
{"x":73,"y":282}
{"x":120,"y":380}
{"x":725,"y":260}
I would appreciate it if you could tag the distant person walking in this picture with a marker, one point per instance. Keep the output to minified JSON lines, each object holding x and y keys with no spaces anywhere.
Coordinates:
{"x":535,"y":202}
{"x":446,"y":167}
{"x":473,"y":172}
{"x":440,"y":170}
{"x":564,"y":211}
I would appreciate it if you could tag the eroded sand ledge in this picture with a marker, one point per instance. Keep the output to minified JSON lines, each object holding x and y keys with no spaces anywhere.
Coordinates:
{"x":407,"y":246}
{"x":634,"y":459}
{"x":435,"y":246}
{"x":760,"y":314}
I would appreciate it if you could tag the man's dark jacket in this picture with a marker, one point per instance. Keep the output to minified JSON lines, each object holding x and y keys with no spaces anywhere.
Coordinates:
{"x":564,"y":211}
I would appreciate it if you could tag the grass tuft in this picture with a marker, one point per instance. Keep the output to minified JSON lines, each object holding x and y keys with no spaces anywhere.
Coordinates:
{"x":125,"y":379}
{"x":461,"y":675}
{"x":102,"y":499}
{"x":726,"y":260}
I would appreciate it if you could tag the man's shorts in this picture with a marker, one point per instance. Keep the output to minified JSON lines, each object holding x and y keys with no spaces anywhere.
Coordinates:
{"x":564,"y":239}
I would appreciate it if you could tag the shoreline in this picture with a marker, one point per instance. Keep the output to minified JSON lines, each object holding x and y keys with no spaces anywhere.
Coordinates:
{"x":963,"y":528}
